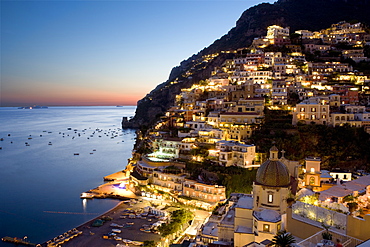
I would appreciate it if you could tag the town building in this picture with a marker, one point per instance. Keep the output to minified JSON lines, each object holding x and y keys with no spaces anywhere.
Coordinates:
{"x":255,"y":219}
{"x":311,"y":112}
{"x":232,"y":153}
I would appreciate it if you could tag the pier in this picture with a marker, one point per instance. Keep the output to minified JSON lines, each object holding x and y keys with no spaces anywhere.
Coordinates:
{"x":115,"y":188}
{"x":17,"y":241}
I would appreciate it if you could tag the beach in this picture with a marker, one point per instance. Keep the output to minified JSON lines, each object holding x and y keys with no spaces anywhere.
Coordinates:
{"x":93,"y":236}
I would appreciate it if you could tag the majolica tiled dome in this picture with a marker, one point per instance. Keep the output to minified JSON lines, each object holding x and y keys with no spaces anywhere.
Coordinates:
{"x":273,"y":172}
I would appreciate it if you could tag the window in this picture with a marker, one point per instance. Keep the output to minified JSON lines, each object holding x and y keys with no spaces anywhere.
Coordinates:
{"x":302,"y":109}
{"x":313,"y":109}
{"x":313,"y":117}
{"x":312,"y":180}
{"x":266,"y":227}
{"x":270,"y":198}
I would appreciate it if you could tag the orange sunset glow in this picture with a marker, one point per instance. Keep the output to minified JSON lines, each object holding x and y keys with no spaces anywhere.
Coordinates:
{"x":67,"y":96}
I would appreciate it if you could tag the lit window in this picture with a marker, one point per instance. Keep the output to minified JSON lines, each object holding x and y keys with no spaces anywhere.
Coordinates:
{"x":266,"y":227}
{"x":312,"y":170}
{"x":302,"y":109}
{"x":270,"y":198}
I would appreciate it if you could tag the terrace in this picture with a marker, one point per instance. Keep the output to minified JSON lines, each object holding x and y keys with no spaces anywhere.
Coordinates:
{"x":317,"y":240}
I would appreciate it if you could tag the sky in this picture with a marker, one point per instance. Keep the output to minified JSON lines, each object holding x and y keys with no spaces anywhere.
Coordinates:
{"x":102,"y":52}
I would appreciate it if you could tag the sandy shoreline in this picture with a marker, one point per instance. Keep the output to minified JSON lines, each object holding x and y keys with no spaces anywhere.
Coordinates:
{"x":93,"y":236}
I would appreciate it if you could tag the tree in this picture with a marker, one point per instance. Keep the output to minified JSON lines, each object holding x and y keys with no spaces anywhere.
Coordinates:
{"x":148,"y":243}
{"x":283,"y":239}
{"x":351,"y":203}
{"x":326,"y":235}
{"x":179,"y":218}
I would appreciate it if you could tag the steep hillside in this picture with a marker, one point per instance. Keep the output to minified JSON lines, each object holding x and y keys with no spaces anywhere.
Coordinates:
{"x":297,"y":14}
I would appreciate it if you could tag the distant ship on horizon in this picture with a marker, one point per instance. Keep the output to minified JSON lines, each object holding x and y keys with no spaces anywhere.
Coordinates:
{"x":33,"y":107}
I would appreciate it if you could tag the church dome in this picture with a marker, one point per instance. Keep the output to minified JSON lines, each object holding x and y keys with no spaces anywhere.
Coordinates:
{"x":273,"y":172}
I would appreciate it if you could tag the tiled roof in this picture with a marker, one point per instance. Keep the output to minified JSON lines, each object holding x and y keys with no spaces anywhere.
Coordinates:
{"x":273,"y":173}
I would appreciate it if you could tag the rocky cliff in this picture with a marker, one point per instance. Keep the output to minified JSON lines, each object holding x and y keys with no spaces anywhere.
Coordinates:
{"x":297,"y":14}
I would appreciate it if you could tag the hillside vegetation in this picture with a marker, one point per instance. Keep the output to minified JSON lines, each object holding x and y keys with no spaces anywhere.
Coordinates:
{"x":340,"y":147}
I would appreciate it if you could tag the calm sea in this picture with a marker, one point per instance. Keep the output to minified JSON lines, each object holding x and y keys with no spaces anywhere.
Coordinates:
{"x":41,"y":178}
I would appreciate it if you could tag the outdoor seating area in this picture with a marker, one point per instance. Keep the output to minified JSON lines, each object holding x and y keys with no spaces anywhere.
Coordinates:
{"x":318,"y":240}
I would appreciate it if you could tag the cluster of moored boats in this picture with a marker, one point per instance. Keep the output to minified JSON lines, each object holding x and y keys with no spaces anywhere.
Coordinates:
{"x":63,"y":238}
{"x":111,"y":133}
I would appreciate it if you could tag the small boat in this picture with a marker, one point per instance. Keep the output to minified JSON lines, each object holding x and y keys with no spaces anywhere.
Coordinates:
{"x":76,"y":154}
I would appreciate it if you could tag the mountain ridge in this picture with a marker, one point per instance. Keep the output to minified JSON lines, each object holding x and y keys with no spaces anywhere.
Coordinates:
{"x":297,"y":14}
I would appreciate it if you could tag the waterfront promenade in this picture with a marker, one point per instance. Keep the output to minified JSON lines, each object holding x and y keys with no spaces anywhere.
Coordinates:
{"x":134,"y":230}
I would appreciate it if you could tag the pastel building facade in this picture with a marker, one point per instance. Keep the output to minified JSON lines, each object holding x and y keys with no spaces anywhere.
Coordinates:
{"x":205,"y":192}
{"x":307,"y":112}
{"x":233,"y":153}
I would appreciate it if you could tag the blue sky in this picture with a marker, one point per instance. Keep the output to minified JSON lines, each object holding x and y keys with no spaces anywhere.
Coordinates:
{"x":102,"y":52}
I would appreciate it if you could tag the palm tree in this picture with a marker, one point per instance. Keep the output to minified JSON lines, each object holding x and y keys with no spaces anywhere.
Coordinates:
{"x":283,"y":239}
